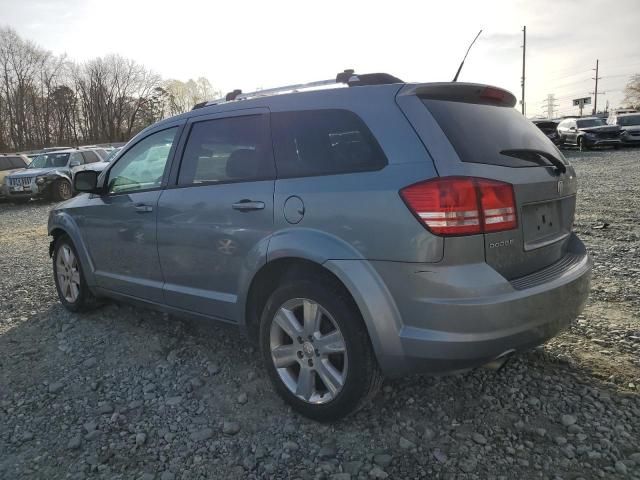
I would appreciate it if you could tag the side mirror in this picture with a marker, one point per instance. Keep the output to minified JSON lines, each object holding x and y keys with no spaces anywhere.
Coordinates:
{"x":74,"y":163}
{"x":86,"y":181}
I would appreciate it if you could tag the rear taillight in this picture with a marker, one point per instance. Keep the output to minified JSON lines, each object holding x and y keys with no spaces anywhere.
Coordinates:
{"x":462,"y":205}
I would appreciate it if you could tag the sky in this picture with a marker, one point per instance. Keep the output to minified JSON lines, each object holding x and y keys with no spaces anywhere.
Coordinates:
{"x":258,"y":44}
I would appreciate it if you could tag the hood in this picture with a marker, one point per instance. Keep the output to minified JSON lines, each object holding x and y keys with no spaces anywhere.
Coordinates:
{"x":631,"y":128}
{"x":34,"y":172}
{"x":6,"y":173}
{"x":601,"y":129}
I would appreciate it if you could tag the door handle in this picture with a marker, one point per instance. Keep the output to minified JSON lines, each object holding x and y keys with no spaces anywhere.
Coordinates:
{"x":247,"y":205}
{"x":142,"y":208}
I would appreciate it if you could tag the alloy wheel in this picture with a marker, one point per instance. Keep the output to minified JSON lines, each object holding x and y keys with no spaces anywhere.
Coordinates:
{"x":308,"y":351}
{"x":65,"y":190}
{"x":68,"y":272}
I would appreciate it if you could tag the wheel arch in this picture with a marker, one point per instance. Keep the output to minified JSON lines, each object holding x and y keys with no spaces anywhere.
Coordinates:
{"x":61,"y":223}
{"x":359,"y":281}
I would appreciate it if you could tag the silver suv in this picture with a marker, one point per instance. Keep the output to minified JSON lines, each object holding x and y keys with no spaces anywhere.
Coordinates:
{"x":374,"y":230}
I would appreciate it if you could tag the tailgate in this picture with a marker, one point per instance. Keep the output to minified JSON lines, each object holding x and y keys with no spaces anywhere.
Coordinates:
{"x":471,"y":133}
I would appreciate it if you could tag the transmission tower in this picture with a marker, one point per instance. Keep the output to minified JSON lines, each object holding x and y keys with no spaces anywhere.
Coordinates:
{"x":550,"y":105}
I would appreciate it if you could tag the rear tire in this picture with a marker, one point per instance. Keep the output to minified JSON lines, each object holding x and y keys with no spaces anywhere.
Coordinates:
{"x":61,"y":190}
{"x":73,"y":292}
{"x":322,"y":379}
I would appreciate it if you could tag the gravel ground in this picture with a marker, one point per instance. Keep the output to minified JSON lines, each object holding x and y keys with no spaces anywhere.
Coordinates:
{"x":127,"y":393}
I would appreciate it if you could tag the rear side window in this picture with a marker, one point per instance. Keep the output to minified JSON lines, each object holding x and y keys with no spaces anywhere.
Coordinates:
{"x":479,"y":133}
{"x":227,"y":150}
{"x":323,"y":142}
{"x":5,"y":164}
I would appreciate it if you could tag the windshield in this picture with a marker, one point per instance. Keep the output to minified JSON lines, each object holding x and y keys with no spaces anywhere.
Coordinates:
{"x":590,"y":122}
{"x":50,"y":160}
{"x":628,"y":121}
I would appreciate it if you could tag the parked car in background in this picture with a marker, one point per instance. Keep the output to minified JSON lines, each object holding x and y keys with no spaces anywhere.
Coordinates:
{"x":102,"y":152}
{"x":549,"y":128}
{"x":629,"y":123}
{"x":49,"y":175}
{"x":589,"y":132}
{"x":113,"y":154}
{"x":101,"y":165}
{"x":620,"y":111}
{"x":9,"y":164}
{"x":320,"y":224}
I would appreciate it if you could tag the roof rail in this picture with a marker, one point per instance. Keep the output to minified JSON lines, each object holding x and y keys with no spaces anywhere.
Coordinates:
{"x":347,"y":77}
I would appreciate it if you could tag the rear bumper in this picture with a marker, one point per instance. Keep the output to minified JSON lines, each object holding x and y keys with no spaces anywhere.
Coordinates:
{"x":459,"y":317}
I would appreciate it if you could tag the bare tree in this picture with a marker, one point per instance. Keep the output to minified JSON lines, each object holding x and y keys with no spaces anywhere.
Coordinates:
{"x":46,"y":99}
{"x":182,"y":96}
{"x":632,"y":92}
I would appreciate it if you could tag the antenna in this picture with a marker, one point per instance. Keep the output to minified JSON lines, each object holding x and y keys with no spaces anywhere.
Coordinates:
{"x":455,"y":79}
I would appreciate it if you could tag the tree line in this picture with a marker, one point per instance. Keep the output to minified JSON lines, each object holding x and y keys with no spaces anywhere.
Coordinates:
{"x":48,"y":100}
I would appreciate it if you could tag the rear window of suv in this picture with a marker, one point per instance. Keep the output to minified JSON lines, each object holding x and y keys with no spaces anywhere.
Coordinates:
{"x":479,"y":133}
{"x":323,"y":142}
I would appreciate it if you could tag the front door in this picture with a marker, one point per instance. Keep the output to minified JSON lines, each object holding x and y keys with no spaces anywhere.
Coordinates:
{"x":214,"y":222}
{"x":120,"y":225}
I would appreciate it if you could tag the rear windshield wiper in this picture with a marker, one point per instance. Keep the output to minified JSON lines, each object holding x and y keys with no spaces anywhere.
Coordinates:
{"x":536,"y":156}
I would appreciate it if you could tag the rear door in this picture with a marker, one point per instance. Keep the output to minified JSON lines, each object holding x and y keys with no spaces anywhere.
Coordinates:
{"x":473,"y":130}
{"x":214,"y":221}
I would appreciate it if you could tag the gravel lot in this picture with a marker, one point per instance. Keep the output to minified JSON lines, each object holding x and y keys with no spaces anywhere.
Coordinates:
{"x":127,"y":393}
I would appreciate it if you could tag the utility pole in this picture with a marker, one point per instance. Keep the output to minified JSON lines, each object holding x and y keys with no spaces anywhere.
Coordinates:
{"x":595,"y":92}
{"x":524,"y":51}
{"x":550,"y":105}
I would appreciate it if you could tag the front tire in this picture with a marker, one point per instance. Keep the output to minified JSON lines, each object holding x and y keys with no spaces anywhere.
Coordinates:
{"x":316,"y":348}
{"x":71,"y":286}
{"x":61,"y":191}
{"x":582,"y":146}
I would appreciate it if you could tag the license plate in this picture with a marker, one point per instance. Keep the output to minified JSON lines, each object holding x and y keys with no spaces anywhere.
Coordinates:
{"x":544,"y":223}
{"x":17,"y":189}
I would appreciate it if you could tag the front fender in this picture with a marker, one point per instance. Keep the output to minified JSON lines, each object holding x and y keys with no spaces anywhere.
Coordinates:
{"x":59,"y":220}
{"x":57,"y":175}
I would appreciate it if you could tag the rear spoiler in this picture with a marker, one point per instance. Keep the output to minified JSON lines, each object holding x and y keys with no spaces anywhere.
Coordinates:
{"x":461,"y":92}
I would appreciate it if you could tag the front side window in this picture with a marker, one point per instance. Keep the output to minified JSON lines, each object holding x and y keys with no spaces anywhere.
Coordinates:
{"x":227,"y":150}
{"x":5,"y":164}
{"x":90,"y":157}
{"x":142,"y":166}
{"x":323,"y":142}
{"x":76,"y":159}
